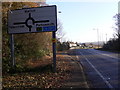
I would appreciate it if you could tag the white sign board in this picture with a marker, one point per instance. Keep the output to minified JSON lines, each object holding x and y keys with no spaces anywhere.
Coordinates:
{"x":40,"y":19}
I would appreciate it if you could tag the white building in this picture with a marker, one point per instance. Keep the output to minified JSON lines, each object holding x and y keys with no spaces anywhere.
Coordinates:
{"x":71,"y":44}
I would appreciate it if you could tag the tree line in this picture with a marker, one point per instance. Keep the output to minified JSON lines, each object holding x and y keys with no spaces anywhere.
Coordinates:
{"x":114,"y":43}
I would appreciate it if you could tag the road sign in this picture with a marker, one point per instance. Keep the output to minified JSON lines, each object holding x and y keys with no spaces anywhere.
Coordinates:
{"x":40,"y":19}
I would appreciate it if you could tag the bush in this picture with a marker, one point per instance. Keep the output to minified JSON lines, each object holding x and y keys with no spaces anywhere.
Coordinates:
{"x":62,"y":46}
{"x":112,"y":45}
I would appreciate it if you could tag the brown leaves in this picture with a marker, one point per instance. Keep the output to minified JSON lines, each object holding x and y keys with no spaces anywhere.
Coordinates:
{"x":40,"y":80}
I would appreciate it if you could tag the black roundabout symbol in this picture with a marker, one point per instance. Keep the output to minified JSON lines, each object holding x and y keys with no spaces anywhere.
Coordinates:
{"x":30,"y":19}
{"x":27,"y":20}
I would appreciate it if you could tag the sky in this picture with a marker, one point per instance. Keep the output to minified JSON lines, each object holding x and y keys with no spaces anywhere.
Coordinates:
{"x":81,"y":20}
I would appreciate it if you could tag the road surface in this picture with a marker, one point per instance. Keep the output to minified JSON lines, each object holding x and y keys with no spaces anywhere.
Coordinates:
{"x":101,"y":67}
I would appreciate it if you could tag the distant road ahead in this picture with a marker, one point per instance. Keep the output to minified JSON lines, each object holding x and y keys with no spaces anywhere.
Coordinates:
{"x":101,"y":67}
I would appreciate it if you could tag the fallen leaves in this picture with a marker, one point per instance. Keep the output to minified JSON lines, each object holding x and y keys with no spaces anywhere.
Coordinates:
{"x":40,"y":80}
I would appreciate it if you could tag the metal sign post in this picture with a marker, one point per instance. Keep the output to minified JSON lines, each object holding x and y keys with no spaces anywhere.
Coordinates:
{"x":12,"y":50}
{"x":54,"y":51}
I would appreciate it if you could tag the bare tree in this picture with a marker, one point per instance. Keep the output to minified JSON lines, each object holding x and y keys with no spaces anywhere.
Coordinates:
{"x":117,"y":25}
{"x":60,"y":34}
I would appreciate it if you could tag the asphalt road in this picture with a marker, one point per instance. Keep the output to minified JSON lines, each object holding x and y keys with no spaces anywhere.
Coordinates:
{"x":101,"y":67}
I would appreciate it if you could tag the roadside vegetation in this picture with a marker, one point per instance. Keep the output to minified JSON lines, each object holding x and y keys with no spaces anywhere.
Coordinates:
{"x":62,"y":46}
{"x":114,"y":43}
{"x":40,"y":75}
{"x":28,"y":47}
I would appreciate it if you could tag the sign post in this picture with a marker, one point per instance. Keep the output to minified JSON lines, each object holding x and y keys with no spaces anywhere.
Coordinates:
{"x":54,"y":51}
{"x":12,"y":50}
{"x":33,"y":20}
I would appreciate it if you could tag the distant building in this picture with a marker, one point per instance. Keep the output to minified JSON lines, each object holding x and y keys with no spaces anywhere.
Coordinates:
{"x":72,"y":44}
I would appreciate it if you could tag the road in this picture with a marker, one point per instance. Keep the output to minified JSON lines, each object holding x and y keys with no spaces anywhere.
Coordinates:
{"x":101,"y":67}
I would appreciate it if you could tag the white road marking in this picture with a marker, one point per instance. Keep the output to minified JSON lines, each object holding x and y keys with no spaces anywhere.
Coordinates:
{"x":108,"y":84}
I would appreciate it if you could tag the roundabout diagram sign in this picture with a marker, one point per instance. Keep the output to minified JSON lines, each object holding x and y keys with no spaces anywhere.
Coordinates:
{"x":40,"y":19}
